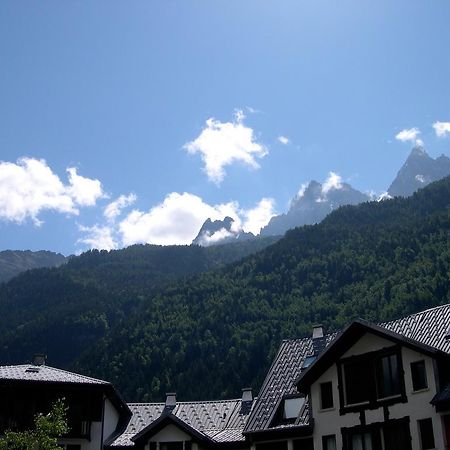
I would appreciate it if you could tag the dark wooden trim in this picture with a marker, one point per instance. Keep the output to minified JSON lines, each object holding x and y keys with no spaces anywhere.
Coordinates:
{"x":374,"y":428}
{"x":371,"y":358}
{"x":280,"y":433}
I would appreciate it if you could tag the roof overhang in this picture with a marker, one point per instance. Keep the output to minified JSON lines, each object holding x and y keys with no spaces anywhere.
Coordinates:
{"x":347,"y":338}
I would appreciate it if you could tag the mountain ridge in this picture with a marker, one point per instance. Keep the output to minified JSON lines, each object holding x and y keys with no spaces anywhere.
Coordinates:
{"x":13,"y":262}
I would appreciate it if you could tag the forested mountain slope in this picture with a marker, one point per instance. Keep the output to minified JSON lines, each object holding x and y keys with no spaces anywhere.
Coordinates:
{"x":211,"y":335}
{"x":63,"y":311}
{"x":13,"y":262}
{"x":113,"y":315}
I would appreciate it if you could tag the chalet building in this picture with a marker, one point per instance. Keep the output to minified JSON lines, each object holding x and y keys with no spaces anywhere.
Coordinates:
{"x":95,"y":409}
{"x":369,"y":387}
{"x":186,"y":425}
{"x":378,"y":387}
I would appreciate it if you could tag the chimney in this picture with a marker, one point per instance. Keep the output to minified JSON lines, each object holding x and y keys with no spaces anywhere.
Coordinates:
{"x":246,"y":401}
{"x":317,"y":331}
{"x":318,"y":339}
{"x":171,"y":400}
{"x":39,"y":359}
{"x":247,"y":395}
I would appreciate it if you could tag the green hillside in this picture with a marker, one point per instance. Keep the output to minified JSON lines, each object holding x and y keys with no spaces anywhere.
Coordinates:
{"x":64,"y":311}
{"x":217,"y":332}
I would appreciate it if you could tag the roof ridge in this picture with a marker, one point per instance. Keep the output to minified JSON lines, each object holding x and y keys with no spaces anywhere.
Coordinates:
{"x":73,"y":373}
{"x":424,"y":311}
{"x":199,"y":402}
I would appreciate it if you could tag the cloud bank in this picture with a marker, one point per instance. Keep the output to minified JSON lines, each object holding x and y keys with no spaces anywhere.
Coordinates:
{"x":222,"y":144}
{"x":174,"y":221}
{"x":29,"y":187}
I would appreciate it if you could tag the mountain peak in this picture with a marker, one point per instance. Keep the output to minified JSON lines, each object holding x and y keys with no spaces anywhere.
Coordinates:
{"x":313,"y":203}
{"x":418,"y":150}
{"x":418,"y":170}
{"x":219,"y":232}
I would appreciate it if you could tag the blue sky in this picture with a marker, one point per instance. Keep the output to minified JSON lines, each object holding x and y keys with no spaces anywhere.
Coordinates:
{"x":136,"y":98}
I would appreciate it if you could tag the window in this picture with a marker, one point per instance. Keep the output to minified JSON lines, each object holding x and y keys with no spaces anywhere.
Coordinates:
{"x":329,"y":442}
{"x":308,"y":361}
{"x":426,"y":434}
{"x":419,"y":375}
{"x":361,"y":441}
{"x":388,"y":376}
{"x":357,"y":375}
{"x":292,"y":407}
{"x":389,"y":435}
{"x":371,"y":378}
{"x":326,"y":395}
{"x":396,"y":435}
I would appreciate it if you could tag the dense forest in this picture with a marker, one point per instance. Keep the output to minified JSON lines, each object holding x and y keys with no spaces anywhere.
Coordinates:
{"x":63,"y":311}
{"x":214,"y":332}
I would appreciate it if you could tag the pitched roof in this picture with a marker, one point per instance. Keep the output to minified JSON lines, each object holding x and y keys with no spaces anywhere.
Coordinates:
{"x":45,"y":374}
{"x":219,"y":421}
{"x":427,"y":327}
{"x":347,"y":339}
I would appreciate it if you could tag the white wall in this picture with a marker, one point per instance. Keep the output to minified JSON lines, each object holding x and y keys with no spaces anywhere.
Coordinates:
{"x":111,"y":419}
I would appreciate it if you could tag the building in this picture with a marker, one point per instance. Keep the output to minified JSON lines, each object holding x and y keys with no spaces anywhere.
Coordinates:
{"x":369,"y":387}
{"x":96,"y":411}
{"x":186,"y":425}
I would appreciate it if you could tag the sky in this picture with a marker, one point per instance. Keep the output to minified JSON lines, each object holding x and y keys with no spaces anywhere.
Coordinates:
{"x":133,"y":122}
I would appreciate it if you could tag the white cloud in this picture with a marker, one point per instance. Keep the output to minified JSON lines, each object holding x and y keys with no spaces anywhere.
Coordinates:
{"x":258,"y":217}
{"x":301,"y":191}
{"x":99,"y":237}
{"x":441,"y":128}
{"x":114,"y":209}
{"x":384,"y":196}
{"x":84,"y":191}
{"x":409,"y":135}
{"x":221,"y":144}
{"x":284,"y":140}
{"x":334,"y":181}
{"x":207,"y":239}
{"x":29,"y":187}
{"x":176,"y":220}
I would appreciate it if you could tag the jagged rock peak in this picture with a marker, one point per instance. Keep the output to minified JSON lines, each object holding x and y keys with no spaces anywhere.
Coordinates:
{"x":313,"y":203}
{"x":418,"y":170}
{"x":219,"y":232}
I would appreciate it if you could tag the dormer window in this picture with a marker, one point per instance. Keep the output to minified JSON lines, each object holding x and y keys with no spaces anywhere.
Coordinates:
{"x":288,"y":410}
{"x":292,"y":407}
{"x":308,"y":361}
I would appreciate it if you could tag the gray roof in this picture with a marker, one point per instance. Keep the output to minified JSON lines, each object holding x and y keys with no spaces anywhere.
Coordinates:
{"x":220,"y":420}
{"x":427,"y":327}
{"x":45,"y":374}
